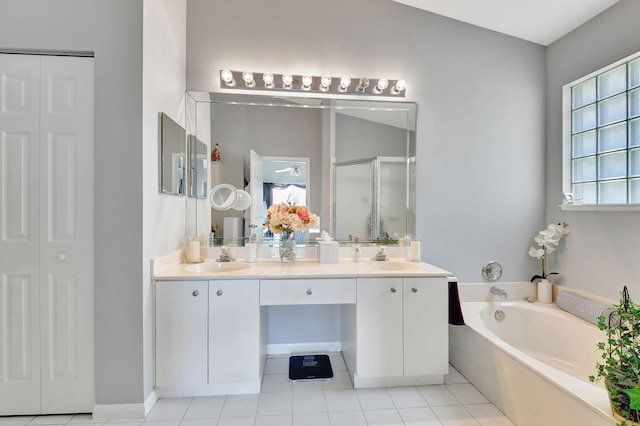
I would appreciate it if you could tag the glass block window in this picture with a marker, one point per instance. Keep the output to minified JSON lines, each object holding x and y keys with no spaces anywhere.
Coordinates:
{"x":605,"y":136}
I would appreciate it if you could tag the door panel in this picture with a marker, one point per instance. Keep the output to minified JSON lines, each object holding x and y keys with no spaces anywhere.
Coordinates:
{"x":426,"y":348}
{"x":379,"y":328}
{"x":66,"y":237}
{"x":234,"y":331}
{"x":19,"y":242}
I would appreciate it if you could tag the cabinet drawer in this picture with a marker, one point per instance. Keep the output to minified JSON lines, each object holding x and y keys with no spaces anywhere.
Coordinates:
{"x":307,"y":292}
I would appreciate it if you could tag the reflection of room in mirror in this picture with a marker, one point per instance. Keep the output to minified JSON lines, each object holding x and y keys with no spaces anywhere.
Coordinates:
{"x":172,"y":156}
{"x":325,"y":132}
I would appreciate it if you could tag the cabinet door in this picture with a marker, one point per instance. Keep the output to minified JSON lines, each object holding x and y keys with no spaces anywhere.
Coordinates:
{"x":181,"y":333}
{"x":426,"y":344}
{"x":234,"y":331}
{"x":379,"y":327}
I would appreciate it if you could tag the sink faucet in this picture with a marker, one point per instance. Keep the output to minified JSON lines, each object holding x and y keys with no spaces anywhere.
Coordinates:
{"x":380,"y":256}
{"x":225,"y":256}
{"x":499,"y":292}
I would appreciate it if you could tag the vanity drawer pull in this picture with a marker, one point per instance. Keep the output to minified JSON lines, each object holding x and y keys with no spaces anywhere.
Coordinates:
{"x":415,"y":290}
{"x":219,"y":292}
{"x":195,"y":293}
{"x":393,"y":290}
{"x":309,"y":292}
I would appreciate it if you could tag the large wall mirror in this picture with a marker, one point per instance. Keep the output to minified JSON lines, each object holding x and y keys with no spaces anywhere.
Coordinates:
{"x":352,"y":162}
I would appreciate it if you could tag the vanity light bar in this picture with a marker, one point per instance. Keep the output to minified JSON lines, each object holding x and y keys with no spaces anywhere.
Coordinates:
{"x":247,"y":80}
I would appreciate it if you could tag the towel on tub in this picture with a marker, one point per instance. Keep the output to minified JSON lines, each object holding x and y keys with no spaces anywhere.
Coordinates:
{"x":455,"y":312}
{"x":582,"y":307}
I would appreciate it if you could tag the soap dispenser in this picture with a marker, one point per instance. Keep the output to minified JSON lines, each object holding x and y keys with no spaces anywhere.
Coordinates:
{"x":357,"y":253}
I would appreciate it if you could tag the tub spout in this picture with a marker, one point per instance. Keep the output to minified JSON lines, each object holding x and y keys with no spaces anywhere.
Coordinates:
{"x":499,"y":292}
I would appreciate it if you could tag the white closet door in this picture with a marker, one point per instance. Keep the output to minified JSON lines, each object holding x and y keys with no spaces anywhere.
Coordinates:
{"x":19,"y":239}
{"x":46,"y":235}
{"x":66,"y":237}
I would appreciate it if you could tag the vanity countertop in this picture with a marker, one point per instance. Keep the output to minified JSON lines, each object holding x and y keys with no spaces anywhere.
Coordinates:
{"x":303,"y":268}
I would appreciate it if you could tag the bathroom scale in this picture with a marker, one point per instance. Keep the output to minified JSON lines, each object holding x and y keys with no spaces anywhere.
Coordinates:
{"x":310,"y":367}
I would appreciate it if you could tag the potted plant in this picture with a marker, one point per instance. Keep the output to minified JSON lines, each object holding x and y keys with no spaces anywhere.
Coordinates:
{"x":547,"y":241}
{"x":621,"y":359}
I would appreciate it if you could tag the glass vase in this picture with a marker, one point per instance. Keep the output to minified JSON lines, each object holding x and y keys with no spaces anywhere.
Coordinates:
{"x":287,"y":247}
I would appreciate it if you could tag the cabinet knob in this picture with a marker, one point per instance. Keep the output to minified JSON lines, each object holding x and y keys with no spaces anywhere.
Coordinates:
{"x":415,"y":290}
{"x":219,"y":292}
{"x":393,"y":290}
{"x":195,"y":293}
{"x":309,"y":292}
{"x":62,"y":257}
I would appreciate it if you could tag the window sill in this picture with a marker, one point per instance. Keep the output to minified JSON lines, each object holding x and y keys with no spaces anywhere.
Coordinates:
{"x":600,"y":207}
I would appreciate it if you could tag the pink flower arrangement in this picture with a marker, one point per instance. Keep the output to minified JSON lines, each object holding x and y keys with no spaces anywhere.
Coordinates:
{"x":289,"y":217}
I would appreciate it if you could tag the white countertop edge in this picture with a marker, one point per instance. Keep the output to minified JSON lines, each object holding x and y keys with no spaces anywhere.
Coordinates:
{"x":306,"y":268}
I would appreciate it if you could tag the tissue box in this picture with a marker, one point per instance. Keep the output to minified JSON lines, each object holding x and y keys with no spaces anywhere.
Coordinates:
{"x":329,"y":251}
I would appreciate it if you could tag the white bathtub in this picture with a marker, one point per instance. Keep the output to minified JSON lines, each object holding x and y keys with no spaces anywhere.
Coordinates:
{"x":534,"y":365}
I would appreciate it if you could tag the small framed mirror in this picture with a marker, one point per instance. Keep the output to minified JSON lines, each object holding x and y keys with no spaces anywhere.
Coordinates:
{"x":173,"y":158}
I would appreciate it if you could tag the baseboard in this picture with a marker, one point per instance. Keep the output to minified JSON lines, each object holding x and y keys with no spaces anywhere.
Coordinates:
{"x":119,"y":411}
{"x":291,"y":348}
{"x":210,"y":389}
{"x":150,"y":402}
{"x":385,"y":382}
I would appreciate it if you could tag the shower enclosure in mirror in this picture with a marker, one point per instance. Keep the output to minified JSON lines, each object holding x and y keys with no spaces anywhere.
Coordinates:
{"x":335,"y":136}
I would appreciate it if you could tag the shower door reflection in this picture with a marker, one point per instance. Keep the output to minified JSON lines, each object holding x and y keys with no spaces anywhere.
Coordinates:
{"x":370,"y":198}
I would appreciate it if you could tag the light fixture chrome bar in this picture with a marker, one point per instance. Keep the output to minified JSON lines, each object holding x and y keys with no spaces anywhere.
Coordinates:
{"x":326,"y":84}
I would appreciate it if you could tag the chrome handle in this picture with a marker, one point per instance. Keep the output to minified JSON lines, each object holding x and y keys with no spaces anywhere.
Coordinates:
{"x":195,"y":293}
{"x":309,"y":292}
{"x":393,"y":290}
{"x":415,"y":290}
{"x":219,"y":292}
{"x":62,"y":257}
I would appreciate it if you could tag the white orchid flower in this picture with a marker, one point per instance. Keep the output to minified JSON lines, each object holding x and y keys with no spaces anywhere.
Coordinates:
{"x":548,"y":239}
{"x":536,"y":252}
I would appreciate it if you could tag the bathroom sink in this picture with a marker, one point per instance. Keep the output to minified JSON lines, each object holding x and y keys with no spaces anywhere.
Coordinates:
{"x":217,"y":267}
{"x":391,"y":266}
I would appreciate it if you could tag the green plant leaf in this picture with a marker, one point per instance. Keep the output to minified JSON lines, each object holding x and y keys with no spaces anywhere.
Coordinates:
{"x":634,"y":397}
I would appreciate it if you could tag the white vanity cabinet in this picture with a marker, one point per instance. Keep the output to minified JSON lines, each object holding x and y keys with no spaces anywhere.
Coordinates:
{"x":181,"y":333}
{"x":208,"y":337}
{"x":235,"y":359}
{"x":401,"y":329}
{"x":211,"y":329}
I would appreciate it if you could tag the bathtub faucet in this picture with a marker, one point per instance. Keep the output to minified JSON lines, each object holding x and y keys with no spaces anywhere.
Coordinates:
{"x":499,"y":292}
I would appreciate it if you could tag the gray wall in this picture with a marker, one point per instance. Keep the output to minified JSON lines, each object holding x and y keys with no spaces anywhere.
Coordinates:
{"x":113,"y":30}
{"x":601,"y":254}
{"x":357,"y":138}
{"x":480,"y":94}
{"x":163,"y":83}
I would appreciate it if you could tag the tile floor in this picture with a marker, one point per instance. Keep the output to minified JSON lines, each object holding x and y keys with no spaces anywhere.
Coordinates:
{"x":328,"y":403}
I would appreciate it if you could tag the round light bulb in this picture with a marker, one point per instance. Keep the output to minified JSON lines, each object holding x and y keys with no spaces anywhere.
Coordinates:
{"x":345,"y":82}
{"x":287,"y":80}
{"x":247,"y":76}
{"x":227,"y":77}
{"x":363,"y":84}
{"x":268,"y":79}
{"x":399,"y":87}
{"x":306,"y":82}
{"x":383,"y":83}
{"x":325,"y":83}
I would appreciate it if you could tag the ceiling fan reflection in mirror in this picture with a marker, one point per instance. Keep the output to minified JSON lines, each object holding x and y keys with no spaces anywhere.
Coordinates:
{"x":294,"y":170}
